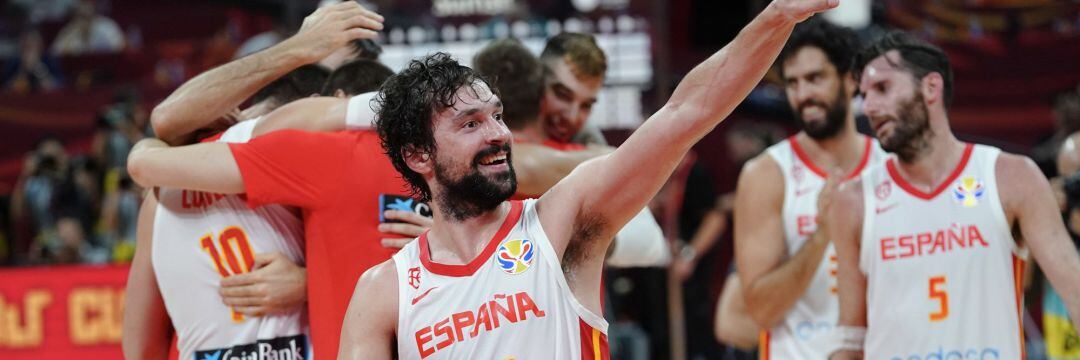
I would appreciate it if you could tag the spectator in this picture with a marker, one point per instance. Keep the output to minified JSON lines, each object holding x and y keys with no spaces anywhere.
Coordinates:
{"x":32,"y":200}
{"x":31,"y":71}
{"x":1066,"y":122}
{"x":88,"y":32}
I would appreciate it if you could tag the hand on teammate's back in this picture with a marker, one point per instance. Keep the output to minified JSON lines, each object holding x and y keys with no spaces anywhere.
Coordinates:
{"x":411,"y":226}
{"x":331,"y":27}
{"x":275,"y":284}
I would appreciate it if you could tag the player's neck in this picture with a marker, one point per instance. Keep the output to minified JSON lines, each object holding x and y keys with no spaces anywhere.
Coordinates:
{"x":933,"y":164}
{"x":458,"y":241}
{"x":842,"y":152}
{"x":533,"y":132}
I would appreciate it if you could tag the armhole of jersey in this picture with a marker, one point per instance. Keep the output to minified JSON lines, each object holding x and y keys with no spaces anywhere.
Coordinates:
{"x":401,"y":265}
{"x":532,"y":224}
{"x":154,"y":234}
{"x":784,"y":156}
{"x":867,"y":228}
{"x":992,"y":155}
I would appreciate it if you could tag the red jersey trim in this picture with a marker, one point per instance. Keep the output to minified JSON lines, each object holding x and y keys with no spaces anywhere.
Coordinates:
{"x":795,"y":147}
{"x":594,"y":344}
{"x":1018,"y":284}
{"x":910,"y":189}
{"x":472,"y":266}
{"x":763,"y":345}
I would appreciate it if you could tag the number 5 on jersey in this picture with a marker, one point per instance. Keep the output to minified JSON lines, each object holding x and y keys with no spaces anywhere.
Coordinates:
{"x":231,"y":241}
{"x":937,"y":283}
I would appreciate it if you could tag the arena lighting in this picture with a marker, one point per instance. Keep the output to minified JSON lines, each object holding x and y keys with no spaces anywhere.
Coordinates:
{"x":851,"y":13}
{"x":471,"y":7}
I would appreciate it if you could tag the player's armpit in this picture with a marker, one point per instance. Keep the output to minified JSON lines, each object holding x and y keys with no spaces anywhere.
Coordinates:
{"x":370,"y":324}
{"x":844,"y":222}
{"x":205,"y":167}
{"x":147,"y":330}
{"x":1026,"y":197}
{"x":317,"y":114}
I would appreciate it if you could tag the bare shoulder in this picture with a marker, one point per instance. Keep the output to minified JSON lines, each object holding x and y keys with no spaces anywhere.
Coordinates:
{"x":1013,"y":169}
{"x":762,"y":172}
{"x":380,"y":279}
{"x":761,"y":182}
{"x":1018,"y":179}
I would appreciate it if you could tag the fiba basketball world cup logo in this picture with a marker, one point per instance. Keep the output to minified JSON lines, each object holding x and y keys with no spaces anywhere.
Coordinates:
{"x":515,"y":256}
{"x":968,"y":191}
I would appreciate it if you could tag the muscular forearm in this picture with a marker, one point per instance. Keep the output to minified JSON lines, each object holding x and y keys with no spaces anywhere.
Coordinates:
{"x":214,"y":93}
{"x":539,"y":168}
{"x":204,"y":167}
{"x":715,"y":87}
{"x":771,"y":295}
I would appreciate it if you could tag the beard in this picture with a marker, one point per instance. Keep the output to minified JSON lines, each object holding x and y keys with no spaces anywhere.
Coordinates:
{"x":910,"y":135}
{"x":835,"y":116}
{"x":471,"y":194}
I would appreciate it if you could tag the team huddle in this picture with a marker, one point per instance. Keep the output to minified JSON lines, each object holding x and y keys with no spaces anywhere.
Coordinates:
{"x":444,"y":211}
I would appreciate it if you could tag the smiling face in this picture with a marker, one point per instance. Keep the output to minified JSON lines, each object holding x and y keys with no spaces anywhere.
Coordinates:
{"x":893,"y":101}
{"x":568,"y":99}
{"x":816,"y":92}
{"x":471,"y":170}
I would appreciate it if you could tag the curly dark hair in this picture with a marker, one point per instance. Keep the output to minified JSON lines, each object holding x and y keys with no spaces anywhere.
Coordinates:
{"x":518,"y":75}
{"x":918,"y":57}
{"x":357,"y":77}
{"x":840,"y":44}
{"x":408,"y":102}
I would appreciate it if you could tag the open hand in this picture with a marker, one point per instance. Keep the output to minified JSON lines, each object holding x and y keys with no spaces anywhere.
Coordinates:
{"x":332,"y":27}
{"x":275,"y":284}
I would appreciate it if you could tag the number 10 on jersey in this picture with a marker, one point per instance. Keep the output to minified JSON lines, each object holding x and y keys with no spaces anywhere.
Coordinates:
{"x":230,"y":242}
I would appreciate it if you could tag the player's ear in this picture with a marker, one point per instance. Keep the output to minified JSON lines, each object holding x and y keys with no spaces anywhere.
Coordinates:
{"x":340,"y":94}
{"x":418,"y":161}
{"x":851,"y":87}
{"x":933,"y":88}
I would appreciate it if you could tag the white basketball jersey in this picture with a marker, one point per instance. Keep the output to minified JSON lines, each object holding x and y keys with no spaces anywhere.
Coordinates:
{"x":942,"y":268}
{"x":805,"y":332}
{"x":199,"y":238}
{"x":511,"y":302}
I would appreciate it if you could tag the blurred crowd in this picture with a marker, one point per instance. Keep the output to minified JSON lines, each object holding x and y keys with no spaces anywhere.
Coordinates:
{"x":80,"y":208}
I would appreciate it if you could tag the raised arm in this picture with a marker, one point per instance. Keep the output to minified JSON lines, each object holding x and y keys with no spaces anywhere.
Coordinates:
{"x":771,"y":280}
{"x":539,"y":167}
{"x":1028,"y":198}
{"x":212,"y":94}
{"x":206,"y":167}
{"x":843,"y":220}
{"x":147,"y":331}
{"x":635,"y":171}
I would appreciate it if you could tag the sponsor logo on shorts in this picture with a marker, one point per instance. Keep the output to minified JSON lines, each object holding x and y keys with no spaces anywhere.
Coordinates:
{"x":282,"y":348}
{"x":955,"y":354}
